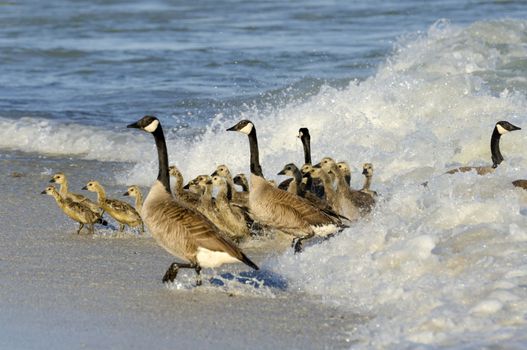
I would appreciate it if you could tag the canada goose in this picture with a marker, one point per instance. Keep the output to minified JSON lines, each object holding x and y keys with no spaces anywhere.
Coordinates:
{"x":62,"y":180}
{"x":238,"y":197}
{"x":501,"y":127}
{"x":351,"y":203}
{"x":121,"y":211}
{"x":346,"y":171}
{"x":180,"y":230}
{"x":135,"y":192}
{"x":241,"y":180}
{"x":303,"y":135}
{"x":279,"y":209}
{"x":76,"y":211}
{"x":189,"y":197}
{"x":367,"y":171}
{"x":232,"y":216}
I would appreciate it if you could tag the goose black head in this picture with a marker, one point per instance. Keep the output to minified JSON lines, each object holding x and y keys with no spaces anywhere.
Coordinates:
{"x":244,"y":126}
{"x":504,"y":127}
{"x":148,"y":123}
{"x":303,"y":132}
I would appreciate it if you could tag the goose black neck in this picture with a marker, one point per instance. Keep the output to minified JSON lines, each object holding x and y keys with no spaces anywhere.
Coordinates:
{"x":162,"y":155}
{"x":306,"y":142}
{"x":229,"y":191}
{"x":497,"y":158}
{"x":256,"y":169}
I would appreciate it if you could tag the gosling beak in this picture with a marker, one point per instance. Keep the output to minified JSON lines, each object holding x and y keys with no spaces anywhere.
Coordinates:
{"x":126,"y":193}
{"x":43,"y":192}
{"x":52,"y":180}
{"x":364,"y":172}
{"x":85,"y":188}
{"x":186,"y":187}
{"x":209,"y":182}
{"x":215,"y":173}
{"x":317,"y":165}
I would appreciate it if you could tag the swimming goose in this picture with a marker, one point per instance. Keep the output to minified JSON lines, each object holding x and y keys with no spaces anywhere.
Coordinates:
{"x":351,"y":203}
{"x":241,"y":180}
{"x":74,"y":210}
{"x":232,"y":216}
{"x":62,"y":180}
{"x":135,"y":192}
{"x":180,"y":230}
{"x":501,"y":127}
{"x":279,"y":209}
{"x":367,"y":171}
{"x":188,"y":197}
{"x":121,"y":211}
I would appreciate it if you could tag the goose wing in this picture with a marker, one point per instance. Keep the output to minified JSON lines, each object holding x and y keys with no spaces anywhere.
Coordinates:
{"x":309,"y":213}
{"x":202,"y":233}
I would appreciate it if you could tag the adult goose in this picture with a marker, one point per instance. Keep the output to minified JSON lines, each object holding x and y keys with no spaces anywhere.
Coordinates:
{"x":278,"y":209}
{"x":180,"y":230}
{"x":501,"y":127}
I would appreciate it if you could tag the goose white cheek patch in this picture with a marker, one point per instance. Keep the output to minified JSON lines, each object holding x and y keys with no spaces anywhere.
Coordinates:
{"x":501,"y":129}
{"x":152,"y":126}
{"x":247,"y":129}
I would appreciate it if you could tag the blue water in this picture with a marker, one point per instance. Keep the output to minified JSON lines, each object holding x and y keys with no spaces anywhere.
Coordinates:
{"x":108,"y":62}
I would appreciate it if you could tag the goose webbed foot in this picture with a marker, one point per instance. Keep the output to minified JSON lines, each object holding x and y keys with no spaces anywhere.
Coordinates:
{"x":171,"y":273}
{"x":297,"y":245}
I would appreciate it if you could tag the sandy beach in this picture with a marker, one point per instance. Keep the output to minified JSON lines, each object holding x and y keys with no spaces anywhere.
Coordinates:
{"x":63,"y":291}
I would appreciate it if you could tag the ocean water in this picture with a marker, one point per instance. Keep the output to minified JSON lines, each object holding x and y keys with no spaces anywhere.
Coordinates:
{"x":413,"y":87}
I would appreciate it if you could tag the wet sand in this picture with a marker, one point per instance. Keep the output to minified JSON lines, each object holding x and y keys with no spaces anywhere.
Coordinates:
{"x":65,"y":291}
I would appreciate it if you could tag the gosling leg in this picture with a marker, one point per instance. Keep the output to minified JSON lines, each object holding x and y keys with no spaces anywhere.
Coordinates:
{"x":81,"y":225}
{"x":92,"y":231}
{"x":198,"y":275}
{"x":121,"y":227}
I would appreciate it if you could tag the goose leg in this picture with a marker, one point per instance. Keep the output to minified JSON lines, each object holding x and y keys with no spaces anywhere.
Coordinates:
{"x":198,"y":275}
{"x":171,"y":273}
{"x":297,"y":242}
{"x":81,"y":225}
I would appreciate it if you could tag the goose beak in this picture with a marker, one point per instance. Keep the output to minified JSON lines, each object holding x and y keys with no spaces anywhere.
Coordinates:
{"x":52,"y":180}
{"x":232,"y":128}
{"x":133,"y":125}
{"x":43,"y":192}
{"x":85,"y":188}
{"x":126,"y":194}
{"x":514,"y":127}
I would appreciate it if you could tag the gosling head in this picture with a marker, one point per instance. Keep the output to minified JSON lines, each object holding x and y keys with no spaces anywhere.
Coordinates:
{"x":91,"y":186}
{"x":148,"y":123}
{"x":367,"y":169}
{"x":288,"y":170}
{"x":244,"y":126}
{"x":344,"y":168}
{"x":504,"y":127}
{"x":132,"y":191}
{"x":327,"y":164}
{"x":218,"y":181}
{"x":306,"y":169}
{"x":222,"y":170}
{"x":58,"y":178}
{"x":50,"y":190}
{"x":315,"y":171}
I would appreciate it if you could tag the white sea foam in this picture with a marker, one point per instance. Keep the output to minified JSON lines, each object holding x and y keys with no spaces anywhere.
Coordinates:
{"x":442,"y":265}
